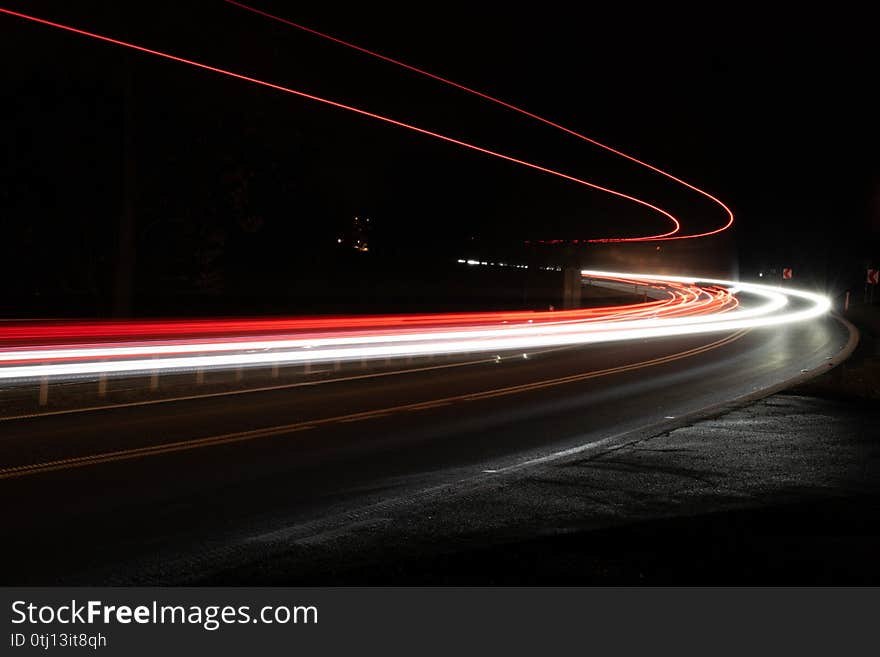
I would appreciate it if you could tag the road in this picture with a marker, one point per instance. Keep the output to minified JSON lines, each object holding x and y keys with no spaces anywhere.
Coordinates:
{"x":154,"y":493}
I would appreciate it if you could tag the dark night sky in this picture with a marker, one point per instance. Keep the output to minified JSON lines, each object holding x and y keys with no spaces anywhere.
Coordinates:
{"x":239,"y":186}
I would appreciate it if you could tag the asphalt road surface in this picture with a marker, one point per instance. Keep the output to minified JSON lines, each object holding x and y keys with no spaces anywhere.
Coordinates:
{"x":172,"y":492}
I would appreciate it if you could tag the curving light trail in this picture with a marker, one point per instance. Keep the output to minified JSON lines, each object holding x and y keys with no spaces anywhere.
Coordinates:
{"x":680,"y":305}
{"x":673,"y":299}
{"x":683,"y":306}
{"x":378,"y":117}
{"x":671,"y":236}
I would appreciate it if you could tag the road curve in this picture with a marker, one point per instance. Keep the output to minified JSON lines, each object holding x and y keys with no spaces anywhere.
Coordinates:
{"x":155,"y":493}
{"x":690,"y":307}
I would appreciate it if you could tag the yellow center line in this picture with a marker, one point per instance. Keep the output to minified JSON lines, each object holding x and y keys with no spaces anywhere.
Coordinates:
{"x":427,"y":405}
{"x":613,"y":370}
{"x":369,"y":416}
{"x":252,"y":434}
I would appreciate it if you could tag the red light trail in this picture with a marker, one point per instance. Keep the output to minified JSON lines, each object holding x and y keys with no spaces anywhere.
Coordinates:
{"x":372,"y":115}
{"x":31,"y":343}
{"x":24,"y":337}
{"x":515,"y":108}
{"x":681,"y":306}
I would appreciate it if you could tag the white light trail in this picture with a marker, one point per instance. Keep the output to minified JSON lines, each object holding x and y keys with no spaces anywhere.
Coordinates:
{"x":774,"y":306}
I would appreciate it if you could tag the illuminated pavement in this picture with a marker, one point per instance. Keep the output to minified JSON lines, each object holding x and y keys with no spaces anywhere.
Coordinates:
{"x":289,"y":465}
{"x":782,"y":492}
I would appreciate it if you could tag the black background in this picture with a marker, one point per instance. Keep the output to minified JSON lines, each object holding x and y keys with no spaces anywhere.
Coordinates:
{"x":240,"y":192}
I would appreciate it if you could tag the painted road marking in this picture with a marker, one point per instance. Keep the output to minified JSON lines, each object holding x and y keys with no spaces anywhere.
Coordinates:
{"x":252,"y":434}
{"x":244,"y":391}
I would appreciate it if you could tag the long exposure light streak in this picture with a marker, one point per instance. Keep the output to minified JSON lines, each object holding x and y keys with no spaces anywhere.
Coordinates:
{"x":679,"y":306}
{"x":378,"y":117}
{"x":729,"y":214}
{"x":694,"y":306}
